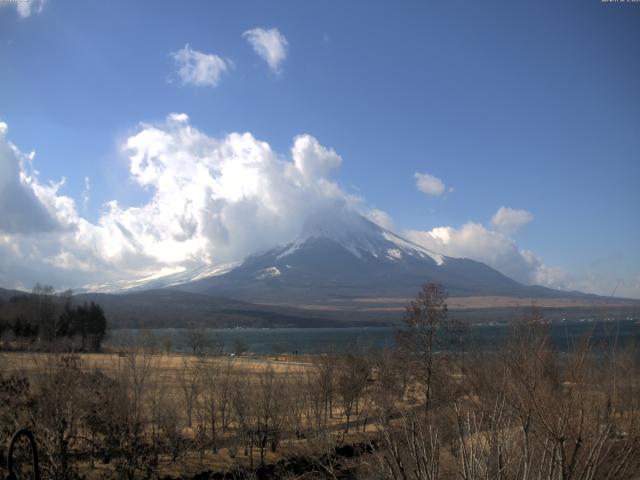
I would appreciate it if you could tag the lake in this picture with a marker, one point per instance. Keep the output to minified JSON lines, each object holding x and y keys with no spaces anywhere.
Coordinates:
{"x":324,"y":340}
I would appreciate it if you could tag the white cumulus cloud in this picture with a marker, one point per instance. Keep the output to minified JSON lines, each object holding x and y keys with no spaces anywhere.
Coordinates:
{"x":312,"y":159}
{"x":21,"y":197}
{"x":500,"y":251}
{"x":86,"y":193}
{"x":510,"y":220}
{"x":381,"y":218}
{"x":25,"y":8}
{"x":199,"y":69}
{"x":430,"y":184}
{"x":209,"y":197}
{"x":493,"y":246}
{"x":270,"y":44}
{"x":475,"y":241}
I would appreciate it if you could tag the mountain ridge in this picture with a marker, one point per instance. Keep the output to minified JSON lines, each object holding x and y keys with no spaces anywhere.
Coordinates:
{"x":353,"y":257}
{"x":338,"y":256}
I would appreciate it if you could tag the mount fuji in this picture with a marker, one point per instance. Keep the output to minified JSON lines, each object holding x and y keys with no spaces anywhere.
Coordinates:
{"x":341,"y":255}
{"x":342,"y":269}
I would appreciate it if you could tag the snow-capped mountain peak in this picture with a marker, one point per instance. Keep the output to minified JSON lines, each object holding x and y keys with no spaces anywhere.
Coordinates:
{"x":359,"y":236}
{"x":345,"y":230}
{"x":338,"y":254}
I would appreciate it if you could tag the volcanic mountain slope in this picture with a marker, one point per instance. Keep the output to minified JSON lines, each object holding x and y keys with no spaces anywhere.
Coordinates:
{"x":162,"y":308}
{"x":342,"y":270}
{"x":342,"y":255}
{"x":5,"y":294}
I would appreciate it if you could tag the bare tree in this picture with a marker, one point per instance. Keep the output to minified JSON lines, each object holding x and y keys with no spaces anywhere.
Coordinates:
{"x":240,"y":346}
{"x":271,"y":402}
{"x":197,"y":339}
{"x":326,"y":380}
{"x":410,"y":450}
{"x":352,"y":380}
{"x":425,"y":319}
{"x":243,"y":409}
{"x":58,"y":412}
{"x":309,"y":404}
{"x":134,"y":453}
{"x":189,"y":381}
{"x":392,"y":380}
{"x":214,"y":396}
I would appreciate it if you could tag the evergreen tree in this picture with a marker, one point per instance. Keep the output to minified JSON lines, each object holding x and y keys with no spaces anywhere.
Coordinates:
{"x":97,"y":325}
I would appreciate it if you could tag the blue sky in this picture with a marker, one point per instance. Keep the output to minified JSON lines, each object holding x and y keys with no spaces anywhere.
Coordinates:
{"x":533,"y":106}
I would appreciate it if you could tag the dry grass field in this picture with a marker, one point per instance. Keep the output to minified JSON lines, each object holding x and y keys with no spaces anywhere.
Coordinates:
{"x":169,"y":364}
{"x":523,"y":412}
{"x":398,"y":304}
{"x":194,"y":389}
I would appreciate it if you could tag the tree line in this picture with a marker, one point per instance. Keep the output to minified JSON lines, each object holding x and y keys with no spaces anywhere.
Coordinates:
{"x":47,"y":319}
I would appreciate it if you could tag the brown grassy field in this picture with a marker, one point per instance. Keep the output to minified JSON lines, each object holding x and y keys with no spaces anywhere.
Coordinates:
{"x":169,"y":364}
{"x":398,"y":304}
{"x":144,"y":414}
{"x":178,"y":380}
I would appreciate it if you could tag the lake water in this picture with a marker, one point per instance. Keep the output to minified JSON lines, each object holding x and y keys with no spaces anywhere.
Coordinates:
{"x":323,"y":340}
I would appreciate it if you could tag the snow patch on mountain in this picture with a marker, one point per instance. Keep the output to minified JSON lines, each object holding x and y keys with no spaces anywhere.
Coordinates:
{"x":161,"y":279}
{"x":413,"y":249}
{"x":268,"y":273}
{"x":202,"y":272}
{"x":394,"y":254}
